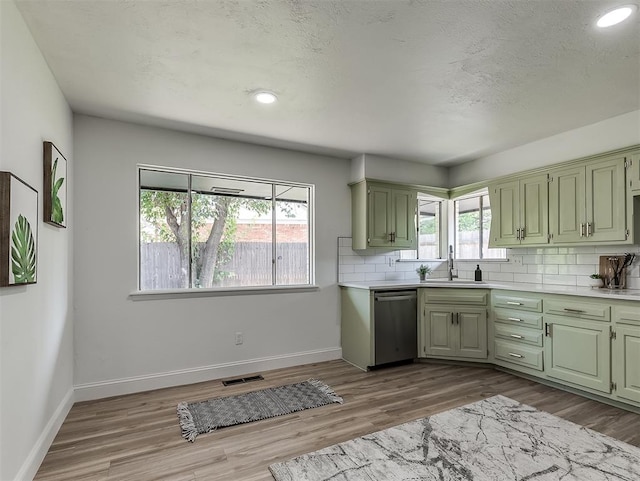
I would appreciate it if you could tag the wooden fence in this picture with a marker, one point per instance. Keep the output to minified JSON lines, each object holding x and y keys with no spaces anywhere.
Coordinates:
{"x":250,"y":265}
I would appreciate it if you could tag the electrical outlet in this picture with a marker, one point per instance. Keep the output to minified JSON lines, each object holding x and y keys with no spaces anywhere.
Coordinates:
{"x":239,"y":338}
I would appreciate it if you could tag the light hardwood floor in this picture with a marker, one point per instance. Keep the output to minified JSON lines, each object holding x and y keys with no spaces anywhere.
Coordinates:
{"x":137,"y":437}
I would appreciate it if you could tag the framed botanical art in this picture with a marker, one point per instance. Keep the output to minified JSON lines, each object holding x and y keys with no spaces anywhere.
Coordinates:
{"x":18,"y":231}
{"x":55,"y":186}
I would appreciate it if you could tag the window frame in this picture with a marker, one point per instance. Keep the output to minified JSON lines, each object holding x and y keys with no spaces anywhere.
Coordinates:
{"x":480,"y":193}
{"x":227,"y":290}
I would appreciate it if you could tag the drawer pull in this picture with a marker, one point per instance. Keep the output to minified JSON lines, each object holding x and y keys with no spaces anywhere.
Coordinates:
{"x":519,"y":356}
{"x":517,"y":336}
{"x":514,"y":319}
{"x":513,"y":303}
{"x":577,"y":311}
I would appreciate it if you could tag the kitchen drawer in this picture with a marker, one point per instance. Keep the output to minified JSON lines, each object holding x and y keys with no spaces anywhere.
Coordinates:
{"x":516,"y":318}
{"x":578,"y":309}
{"x":517,"y":301}
{"x":627,"y":314}
{"x":455,"y":296}
{"x":518,"y":335}
{"x":517,"y":354}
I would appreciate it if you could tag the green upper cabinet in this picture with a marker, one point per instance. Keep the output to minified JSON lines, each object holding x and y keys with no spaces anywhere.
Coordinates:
{"x":383,"y":216}
{"x":587,"y":203}
{"x":520,"y":212}
{"x":633,"y":161}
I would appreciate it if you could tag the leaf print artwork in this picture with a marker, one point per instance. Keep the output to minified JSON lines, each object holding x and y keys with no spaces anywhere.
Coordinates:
{"x":57,"y":213}
{"x":23,"y":252}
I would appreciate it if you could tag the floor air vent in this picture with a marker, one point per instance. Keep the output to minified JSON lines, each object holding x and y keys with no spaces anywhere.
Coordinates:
{"x":241,"y":380}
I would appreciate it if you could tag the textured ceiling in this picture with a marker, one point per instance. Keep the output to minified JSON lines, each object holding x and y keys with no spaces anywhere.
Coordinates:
{"x":439,"y":82}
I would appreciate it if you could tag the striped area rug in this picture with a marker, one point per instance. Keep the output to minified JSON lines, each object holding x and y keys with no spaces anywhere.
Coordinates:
{"x":206,"y":416}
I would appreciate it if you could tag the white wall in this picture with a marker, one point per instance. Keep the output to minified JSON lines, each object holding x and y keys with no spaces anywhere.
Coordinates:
{"x":36,"y":330}
{"x":615,"y":133}
{"x":117,"y":339}
{"x":383,"y":168}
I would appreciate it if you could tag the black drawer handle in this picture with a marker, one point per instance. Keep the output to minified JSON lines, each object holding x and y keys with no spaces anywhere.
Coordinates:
{"x":576,"y":311}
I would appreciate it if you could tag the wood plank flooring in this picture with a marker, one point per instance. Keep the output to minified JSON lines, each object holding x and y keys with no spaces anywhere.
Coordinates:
{"x":137,"y":437}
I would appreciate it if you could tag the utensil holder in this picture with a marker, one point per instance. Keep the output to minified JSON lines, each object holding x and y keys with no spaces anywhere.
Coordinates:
{"x":621,"y":280}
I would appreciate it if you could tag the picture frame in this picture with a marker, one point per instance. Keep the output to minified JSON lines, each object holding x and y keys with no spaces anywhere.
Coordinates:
{"x":18,"y":231}
{"x":55,"y":186}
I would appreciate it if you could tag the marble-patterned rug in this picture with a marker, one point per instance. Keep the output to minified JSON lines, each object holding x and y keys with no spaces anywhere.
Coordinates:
{"x":496,"y":439}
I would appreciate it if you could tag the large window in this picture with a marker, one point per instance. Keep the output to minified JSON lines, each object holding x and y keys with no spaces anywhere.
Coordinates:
{"x":472,"y":218}
{"x":205,"y":230}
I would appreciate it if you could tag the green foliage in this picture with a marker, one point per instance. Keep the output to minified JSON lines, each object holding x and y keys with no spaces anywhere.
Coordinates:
{"x":428,"y":225}
{"x":470,"y":221}
{"x":57,"y":213}
{"x":423,"y":270}
{"x":23,"y":252}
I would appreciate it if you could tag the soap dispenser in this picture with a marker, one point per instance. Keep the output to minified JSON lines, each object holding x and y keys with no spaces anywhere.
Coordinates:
{"x":478,"y":273}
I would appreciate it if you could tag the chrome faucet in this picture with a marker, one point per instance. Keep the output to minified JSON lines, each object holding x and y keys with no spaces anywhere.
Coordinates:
{"x":451,"y":269}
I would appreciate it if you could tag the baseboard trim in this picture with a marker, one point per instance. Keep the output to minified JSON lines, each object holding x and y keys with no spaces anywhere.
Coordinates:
{"x":34,"y":459}
{"x":118,"y":387}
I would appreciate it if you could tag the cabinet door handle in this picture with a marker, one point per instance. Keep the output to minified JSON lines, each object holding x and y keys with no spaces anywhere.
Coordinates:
{"x":513,"y":303}
{"x":452,"y":318}
{"x":575,"y":311}
{"x":517,"y":234}
{"x":517,"y":336}
{"x":581,"y":230}
{"x":547,"y":329}
{"x":514,"y":319}
{"x":457,"y":318}
{"x":522,"y":234}
{"x":589,"y":227}
{"x":519,"y":356}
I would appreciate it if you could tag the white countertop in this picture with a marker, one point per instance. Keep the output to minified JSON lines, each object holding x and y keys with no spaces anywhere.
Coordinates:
{"x":621,"y":294}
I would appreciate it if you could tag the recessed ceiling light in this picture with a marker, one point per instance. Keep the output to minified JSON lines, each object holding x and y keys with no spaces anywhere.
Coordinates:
{"x":265,"y":97}
{"x":615,"y":16}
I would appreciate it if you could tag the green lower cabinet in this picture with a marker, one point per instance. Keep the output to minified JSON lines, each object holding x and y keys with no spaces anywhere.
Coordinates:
{"x":450,"y":331}
{"x":626,"y":362}
{"x":579,"y":352}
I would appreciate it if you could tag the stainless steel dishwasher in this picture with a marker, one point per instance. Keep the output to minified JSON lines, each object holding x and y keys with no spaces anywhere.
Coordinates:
{"x":396,"y":326}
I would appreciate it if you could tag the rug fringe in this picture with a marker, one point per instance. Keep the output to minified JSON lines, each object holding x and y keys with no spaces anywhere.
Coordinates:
{"x":187,"y":425}
{"x":326,"y":390}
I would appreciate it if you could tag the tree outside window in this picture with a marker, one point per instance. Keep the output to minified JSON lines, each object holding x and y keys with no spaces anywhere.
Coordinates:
{"x":202,"y":231}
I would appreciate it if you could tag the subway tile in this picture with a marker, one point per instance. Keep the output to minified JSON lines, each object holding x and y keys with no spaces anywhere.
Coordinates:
{"x":384,"y":268}
{"x":500,"y":276}
{"x":559,"y":280}
{"x":584,"y":270}
{"x":529,"y":278}
{"x":560,"y":259}
{"x":364,"y":268}
{"x":587,"y":259}
{"x":351,"y":260}
{"x":393,"y":276}
{"x":375,"y":259}
{"x":346,"y":268}
{"x":373,"y":276}
{"x":346,"y":251}
{"x":513,"y":267}
{"x":353,"y":277}
{"x":532,"y":259}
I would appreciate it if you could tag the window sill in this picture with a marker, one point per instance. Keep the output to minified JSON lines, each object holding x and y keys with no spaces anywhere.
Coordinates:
{"x":218,"y":292}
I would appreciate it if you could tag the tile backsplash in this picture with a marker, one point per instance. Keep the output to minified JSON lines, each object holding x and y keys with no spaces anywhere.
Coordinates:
{"x":570,"y":266}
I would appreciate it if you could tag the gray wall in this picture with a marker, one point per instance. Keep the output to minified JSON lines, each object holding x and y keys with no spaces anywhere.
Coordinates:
{"x":117,"y":339}
{"x":36,"y":321}
{"x":614,"y":133}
